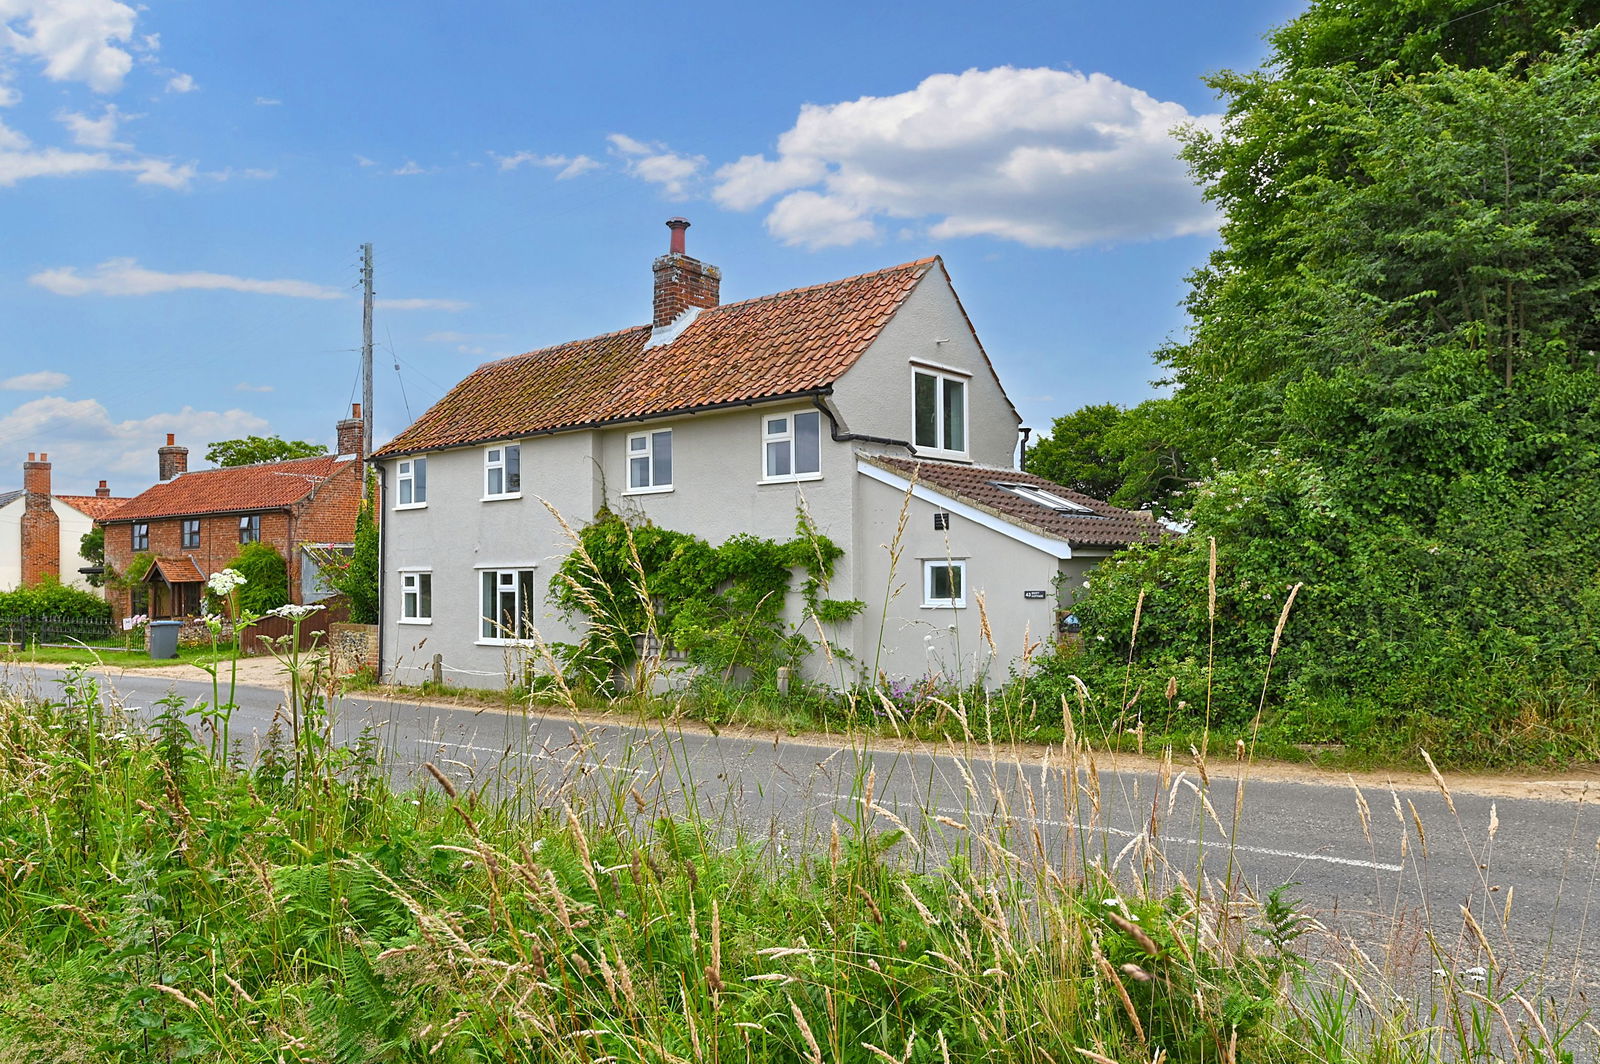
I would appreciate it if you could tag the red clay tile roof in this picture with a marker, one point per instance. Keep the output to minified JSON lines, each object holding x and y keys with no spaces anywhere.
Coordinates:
{"x":266,"y":486}
{"x":176,"y":570}
{"x":1107,"y":526}
{"x":95,"y":506}
{"x":790,"y":343}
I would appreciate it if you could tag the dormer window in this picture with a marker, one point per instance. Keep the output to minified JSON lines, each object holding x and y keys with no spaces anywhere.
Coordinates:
{"x":1048,"y":499}
{"x":939,"y":412}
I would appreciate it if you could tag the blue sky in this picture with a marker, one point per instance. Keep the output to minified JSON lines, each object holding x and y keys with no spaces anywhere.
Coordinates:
{"x":184,"y":187}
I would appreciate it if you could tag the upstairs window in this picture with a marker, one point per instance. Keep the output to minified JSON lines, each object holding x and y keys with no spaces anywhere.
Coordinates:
{"x":250,"y":528}
{"x":191,"y":533}
{"x":650,"y":461}
{"x":507,"y":605}
{"x":411,"y":482}
{"x":792,"y":446}
{"x":141,"y":535}
{"x":939,"y":418}
{"x":502,"y":471}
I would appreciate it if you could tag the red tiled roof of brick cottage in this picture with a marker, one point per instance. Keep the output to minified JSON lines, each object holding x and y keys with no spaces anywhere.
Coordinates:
{"x":266,"y":486}
{"x":790,"y":343}
{"x":98,"y":507}
{"x":1105,"y":526}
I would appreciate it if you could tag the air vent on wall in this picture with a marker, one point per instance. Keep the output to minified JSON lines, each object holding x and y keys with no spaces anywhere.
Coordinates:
{"x":941,"y":521}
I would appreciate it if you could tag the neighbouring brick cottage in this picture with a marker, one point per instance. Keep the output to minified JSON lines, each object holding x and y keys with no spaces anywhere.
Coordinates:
{"x":192,"y":524}
{"x":41,"y":532}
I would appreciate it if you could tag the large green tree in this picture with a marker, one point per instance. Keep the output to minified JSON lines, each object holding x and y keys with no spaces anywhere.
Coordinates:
{"x":1392,"y":384}
{"x":249,"y":450}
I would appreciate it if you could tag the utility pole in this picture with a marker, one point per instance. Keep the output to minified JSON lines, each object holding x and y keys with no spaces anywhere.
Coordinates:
{"x":366,"y":349}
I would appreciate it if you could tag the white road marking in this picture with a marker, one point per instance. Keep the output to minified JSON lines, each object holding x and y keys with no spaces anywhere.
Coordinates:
{"x":1265,"y":851}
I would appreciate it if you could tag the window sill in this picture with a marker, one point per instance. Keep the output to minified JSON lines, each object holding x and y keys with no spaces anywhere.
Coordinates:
{"x":501,"y":498}
{"x":503,"y":643}
{"x":660,"y":489}
{"x":409,"y":506}
{"x":798,"y":478}
{"x":943,"y":455}
{"x":416,"y":620}
{"x":944,"y":605}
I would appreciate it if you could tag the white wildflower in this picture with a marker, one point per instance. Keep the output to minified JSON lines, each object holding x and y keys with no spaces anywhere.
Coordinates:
{"x":538,"y":844}
{"x":225,"y":581}
{"x":293,"y":612}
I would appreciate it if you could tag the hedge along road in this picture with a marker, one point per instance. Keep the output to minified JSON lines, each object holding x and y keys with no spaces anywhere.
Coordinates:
{"x":1362,"y":866}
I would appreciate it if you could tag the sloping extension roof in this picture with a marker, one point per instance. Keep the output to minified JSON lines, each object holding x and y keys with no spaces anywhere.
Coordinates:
{"x":9,"y":497}
{"x":231,"y":489}
{"x":95,"y":506}
{"x":1089,"y":523}
{"x":793,"y":343}
{"x":175,"y":571}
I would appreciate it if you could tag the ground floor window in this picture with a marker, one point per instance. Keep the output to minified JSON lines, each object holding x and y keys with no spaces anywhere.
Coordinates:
{"x":507,"y":604}
{"x":944,"y":583}
{"x":416,"y":597}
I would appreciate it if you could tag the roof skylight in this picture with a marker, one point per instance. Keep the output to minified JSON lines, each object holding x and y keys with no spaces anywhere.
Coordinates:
{"x":1048,"y":499}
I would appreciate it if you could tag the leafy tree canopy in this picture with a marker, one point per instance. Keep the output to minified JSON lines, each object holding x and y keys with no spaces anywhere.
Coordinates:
{"x":1391,"y":393}
{"x":252,"y":449}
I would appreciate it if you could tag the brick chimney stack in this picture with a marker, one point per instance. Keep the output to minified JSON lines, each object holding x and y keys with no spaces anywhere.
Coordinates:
{"x":682,"y":282}
{"x":103,"y":491}
{"x":350,"y":432}
{"x":41,"y":528}
{"x":171,"y":460}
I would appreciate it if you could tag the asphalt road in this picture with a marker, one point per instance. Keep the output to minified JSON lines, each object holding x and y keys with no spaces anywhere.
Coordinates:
{"x":1382,"y":887}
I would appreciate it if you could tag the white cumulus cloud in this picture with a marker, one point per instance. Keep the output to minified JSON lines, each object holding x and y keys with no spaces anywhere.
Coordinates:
{"x":658,"y":164}
{"x":95,"y":132}
{"x":44,"y":380}
{"x":76,"y":40}
{"x":181,"y":83}
{"x":1047,"y":158}
{"x":125,"y":277}
{"x":84,"y":440}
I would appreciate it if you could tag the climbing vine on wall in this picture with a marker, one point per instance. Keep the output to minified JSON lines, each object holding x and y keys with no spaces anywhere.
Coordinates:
{"x":722,"y":606}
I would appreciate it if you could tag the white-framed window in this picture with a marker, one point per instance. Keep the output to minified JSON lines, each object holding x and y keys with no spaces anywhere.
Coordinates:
{"x":502,"y":471}
{"x":507,"y":605}
{"x":411,"y":482}
{"x":416,"y":597}
{"x":791,"y":446}
{"x":650,"y":461}
{"x":939,"y":412}
{"x":944,"y":583}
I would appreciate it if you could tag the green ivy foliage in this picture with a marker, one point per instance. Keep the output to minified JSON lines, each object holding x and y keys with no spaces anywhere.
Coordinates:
{"x":267,"y":577}
{"x":722,"y":606}
{"x":357,"y":579}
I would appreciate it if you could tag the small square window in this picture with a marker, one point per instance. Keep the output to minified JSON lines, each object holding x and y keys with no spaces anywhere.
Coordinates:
{"x":944,"y":583}
{"x":191,"y":533}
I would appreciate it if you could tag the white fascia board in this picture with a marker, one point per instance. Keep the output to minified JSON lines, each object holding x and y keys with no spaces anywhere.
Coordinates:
{"x":1056,"y":548}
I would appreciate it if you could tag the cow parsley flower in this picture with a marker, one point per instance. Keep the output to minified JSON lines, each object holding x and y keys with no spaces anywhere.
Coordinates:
{"x":226,"y":581}
{"x":293,"y":612}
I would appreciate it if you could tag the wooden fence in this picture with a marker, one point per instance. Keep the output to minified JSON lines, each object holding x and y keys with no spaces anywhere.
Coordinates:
{"x":313,"y":630}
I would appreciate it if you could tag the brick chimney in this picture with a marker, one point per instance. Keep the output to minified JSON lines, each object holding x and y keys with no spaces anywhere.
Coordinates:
{"x":350,"y":432}
{"x":682,"y":282}
{"x":171,"y":459}
{"x":103,"y":491}
{"x":41,"y":528}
